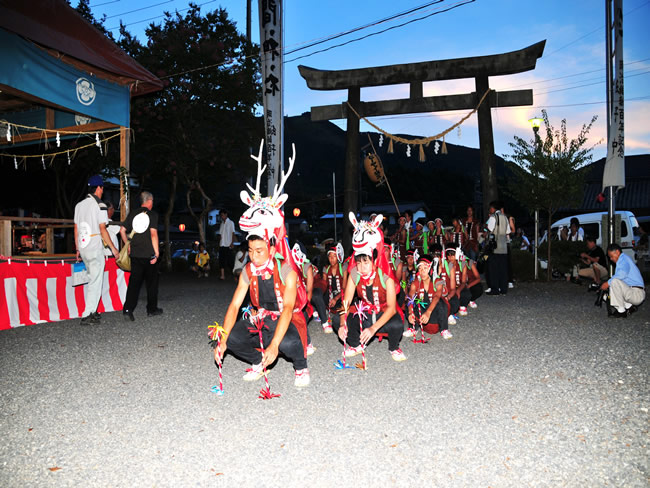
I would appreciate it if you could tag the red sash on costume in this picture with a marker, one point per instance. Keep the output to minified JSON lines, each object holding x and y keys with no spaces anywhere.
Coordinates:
{"x":297,"y":319}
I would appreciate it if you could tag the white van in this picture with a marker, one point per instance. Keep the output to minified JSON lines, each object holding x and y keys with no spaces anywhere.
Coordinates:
{"x":592,"y":224}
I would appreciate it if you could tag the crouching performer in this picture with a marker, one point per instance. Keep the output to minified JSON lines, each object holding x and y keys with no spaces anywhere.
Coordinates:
{"x":277,"y":294}
{"x":426,"y":305}
{"x":373,"y":282}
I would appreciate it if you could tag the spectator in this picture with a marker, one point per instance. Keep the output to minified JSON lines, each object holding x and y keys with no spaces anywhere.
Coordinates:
{"x":113,"y":229}
{"x":90,"y":219}
{"x":226,"y":242}
{"x":498,"y":225}
{"x":144,"y":257}
{"x":202,"y":262}
{"x":626,"y":287}
{"x":596,"y":263}
{"x":576,"y":233}
{"x":241,"y":258}
{"x":520,"y":241}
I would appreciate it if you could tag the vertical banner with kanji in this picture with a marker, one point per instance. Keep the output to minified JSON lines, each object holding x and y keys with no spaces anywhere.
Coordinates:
{"x":271,"y":44}
{"x":614,"y":174}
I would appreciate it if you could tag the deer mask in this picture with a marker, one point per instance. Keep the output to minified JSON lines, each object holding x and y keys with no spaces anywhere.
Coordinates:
{"x":367,"y":236}
{"x":264,"y":216}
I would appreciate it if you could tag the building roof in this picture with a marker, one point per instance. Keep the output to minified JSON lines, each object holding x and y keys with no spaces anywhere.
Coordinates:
{"x":56,"y":25}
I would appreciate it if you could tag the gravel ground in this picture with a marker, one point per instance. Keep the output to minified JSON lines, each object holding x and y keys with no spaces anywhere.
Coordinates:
{"x":538,"y":388}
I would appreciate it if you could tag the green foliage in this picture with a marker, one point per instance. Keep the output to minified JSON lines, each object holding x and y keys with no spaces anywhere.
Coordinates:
{"x":548,"y":174}
{"x":523,"y":268}
{"x":564,"y":254}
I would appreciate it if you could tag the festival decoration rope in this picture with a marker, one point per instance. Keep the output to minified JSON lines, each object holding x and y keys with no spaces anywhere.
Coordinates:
{"x":52,"y":155}
{"x":420,"y":141}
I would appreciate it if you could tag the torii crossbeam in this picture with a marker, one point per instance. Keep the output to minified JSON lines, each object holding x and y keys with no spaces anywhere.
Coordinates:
{"x":480,"y":68}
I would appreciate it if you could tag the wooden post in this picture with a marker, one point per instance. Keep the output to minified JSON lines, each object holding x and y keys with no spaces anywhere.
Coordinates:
{"x":5,"y":238}
{"x":124,"y":163}
{"x":486,"y":148}
{"x":49,"y":240}
{"x":352,"y":149}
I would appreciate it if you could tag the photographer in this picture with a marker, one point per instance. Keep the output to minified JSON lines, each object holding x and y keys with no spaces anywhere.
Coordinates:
{"x":498,"y":226}
{"x":596,"y":263}
{"x":626,"y":287}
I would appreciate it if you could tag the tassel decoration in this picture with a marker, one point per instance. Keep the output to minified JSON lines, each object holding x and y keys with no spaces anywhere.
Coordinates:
{"x":422,"y":157}
{"x":443,"y":150}
{"x":390,"y":145}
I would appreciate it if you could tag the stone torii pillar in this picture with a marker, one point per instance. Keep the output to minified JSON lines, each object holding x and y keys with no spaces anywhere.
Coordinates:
{"x":415,"y":74}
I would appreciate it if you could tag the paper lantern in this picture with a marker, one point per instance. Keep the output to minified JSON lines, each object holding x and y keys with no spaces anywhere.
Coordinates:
{"x":181,"y":227}
{"x":296,"y":212}
{"x":374,"y":169}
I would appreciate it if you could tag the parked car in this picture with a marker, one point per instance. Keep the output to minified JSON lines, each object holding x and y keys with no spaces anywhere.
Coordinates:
{"x":592,"y":224}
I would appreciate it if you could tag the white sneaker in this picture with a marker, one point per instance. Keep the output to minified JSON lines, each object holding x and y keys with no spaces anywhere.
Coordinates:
{"x":410,"y":332}
{"x":488,"y":290}
{"x":302,"y":378}
{"x":353,"y":351}
{"x":463,"y":311}
{"x":451,"y":320}
{"x":310,"y":349}
{"x":398,"y":355}
{"x":473,"y":305}
{"x":446,"y":334}
{"x":327,"y":328}
{"x":511,"y":284}
{"x":315,"y":316}
{"x":255,"y":372}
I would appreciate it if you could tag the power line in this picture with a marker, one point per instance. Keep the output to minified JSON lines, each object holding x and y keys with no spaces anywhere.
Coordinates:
{"x":590,"y":84}
{"x":105,"y":3}
{"x":591,"y":32}
{"x":459,"y":4}
{"x":159,"y":16}
{"x":356,"y":29}
{"x":139,"y":9}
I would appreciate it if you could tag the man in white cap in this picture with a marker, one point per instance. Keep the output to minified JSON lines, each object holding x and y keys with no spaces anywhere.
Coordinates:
{"x":90,"y":220}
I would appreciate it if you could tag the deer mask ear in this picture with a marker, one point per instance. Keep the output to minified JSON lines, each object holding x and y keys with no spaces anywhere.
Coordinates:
{"x":281,"y":200}
{"x":377,"y":221}
{"x":353,"y":219}
{"x":245,"y":197}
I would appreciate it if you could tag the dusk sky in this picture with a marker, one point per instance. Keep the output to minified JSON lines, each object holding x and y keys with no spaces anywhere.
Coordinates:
{"x":569,"y":81}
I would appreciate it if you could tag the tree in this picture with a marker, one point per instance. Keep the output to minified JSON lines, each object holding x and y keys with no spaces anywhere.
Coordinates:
{"x":195,"y":133}
{"x":549,"y":175}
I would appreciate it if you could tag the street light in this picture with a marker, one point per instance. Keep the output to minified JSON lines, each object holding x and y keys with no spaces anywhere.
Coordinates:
{"x":535,"y":122}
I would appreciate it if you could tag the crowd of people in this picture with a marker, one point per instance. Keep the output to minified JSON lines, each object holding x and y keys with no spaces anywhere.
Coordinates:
{"x":413,"y":284}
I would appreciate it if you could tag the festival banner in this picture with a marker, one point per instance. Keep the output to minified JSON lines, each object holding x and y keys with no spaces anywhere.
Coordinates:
{"x":34,"y":292}
{"x":614,"y":173}
{"x":271,"y":46}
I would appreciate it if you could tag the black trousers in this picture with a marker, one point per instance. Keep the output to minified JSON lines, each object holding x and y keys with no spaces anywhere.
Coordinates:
{"x":394,"y":328}
{"x":142,"y":271}
{"x":454,"y":304}
{"x":438,"y":316}
{"x":465,"y":297}
{"x":225,"y":258}
{"x":318,"y":301}
{"x":244,"y":344}
{"x":476,"y":291}
{"x":498,"y":275}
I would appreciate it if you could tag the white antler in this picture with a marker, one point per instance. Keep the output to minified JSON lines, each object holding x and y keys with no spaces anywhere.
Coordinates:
{"x":260,"y":171}
{"x":277,"y":190}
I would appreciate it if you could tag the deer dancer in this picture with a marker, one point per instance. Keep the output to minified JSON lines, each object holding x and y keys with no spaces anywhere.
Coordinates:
{"x":276,"y":292}
{"x":373,"y":280}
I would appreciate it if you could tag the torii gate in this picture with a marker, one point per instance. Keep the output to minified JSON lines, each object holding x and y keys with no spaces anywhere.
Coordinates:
{"x":479,"y":68}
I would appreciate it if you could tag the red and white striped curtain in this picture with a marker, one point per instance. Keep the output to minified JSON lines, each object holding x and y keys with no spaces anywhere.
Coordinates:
{"x":34,"y":292}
